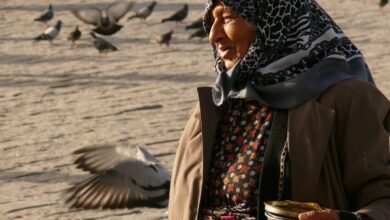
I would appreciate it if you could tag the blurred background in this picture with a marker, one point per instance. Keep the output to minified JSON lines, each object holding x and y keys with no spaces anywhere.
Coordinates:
{"x":57,"y":97}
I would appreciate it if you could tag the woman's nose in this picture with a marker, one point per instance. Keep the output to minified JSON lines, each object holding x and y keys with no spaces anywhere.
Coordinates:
{"x":216,"y":32}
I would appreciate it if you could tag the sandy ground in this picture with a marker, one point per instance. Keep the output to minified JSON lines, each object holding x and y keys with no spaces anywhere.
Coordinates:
{"x":54,"y":99}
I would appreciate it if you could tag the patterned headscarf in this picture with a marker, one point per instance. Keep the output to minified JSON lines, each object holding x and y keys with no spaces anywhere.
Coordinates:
{"x":293,"y":36}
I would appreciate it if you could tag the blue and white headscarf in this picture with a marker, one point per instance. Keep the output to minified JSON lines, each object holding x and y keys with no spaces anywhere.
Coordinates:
{"x":298,"y":52}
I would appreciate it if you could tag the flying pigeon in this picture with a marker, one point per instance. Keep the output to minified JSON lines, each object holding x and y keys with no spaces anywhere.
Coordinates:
{"x":198,"y":33}
{"x":383,"y":3}
{"x":50,"y":33}
{"x":178,"y":16}
{"x":74,"y":36}
{"x":196,"y":24}
{"x":122,"y":177}
{"x":102,"y":45}
{"x":164,"y":38}
{"x":144,"y":12}
{"x":46,"y":16}
{"x":105,"y":21}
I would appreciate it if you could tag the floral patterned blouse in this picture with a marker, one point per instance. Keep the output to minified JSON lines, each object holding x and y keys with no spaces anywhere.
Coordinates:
{"x":238,"y":152}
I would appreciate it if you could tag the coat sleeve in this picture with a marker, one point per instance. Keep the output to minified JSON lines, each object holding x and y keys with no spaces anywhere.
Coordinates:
{"x":185,"y":167}
{"x":366,"y":166}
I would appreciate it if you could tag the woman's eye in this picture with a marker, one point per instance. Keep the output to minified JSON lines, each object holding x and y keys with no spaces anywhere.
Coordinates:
{"x":228,"y":19}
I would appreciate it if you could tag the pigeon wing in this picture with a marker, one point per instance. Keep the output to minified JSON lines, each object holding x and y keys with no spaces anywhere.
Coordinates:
{"x":100,"y":158}
{"x":89,"y":16}
{"x":129,"y":184}
{"x":51,"y":31}
{"x":119,"y":9}
{"x":46,"y":16}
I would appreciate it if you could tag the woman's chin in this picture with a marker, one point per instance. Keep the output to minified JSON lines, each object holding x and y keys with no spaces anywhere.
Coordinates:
{"x":228,"y":64}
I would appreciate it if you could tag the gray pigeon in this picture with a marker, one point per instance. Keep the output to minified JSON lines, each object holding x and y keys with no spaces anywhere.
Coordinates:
{"x":196,"y":24}
{"x":165,"y":38}
{"x":178,"y":16}
{"x":102,"y":45}
{"x":74,"y":36}
{"x":144,"y":12}
{"x":198,"y":33}
{"x":123,"y":177}
{"x":105,"y":21}
{"x":50,"y":33}
{"x":46,"y":16}
{"x":383,"y":3}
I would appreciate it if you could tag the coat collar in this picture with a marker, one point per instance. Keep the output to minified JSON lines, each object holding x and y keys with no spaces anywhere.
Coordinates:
{"x":210,"y":115}
{"x":309,"y":127}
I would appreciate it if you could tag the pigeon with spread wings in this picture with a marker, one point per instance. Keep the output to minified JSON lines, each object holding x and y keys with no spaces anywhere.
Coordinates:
{"x":123,"y":177}
{"x":105,"y":21}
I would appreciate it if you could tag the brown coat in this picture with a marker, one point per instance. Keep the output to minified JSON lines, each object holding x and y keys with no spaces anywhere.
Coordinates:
{"x":338,"y":148}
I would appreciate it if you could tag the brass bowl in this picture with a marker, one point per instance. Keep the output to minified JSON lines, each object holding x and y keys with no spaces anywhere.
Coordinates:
{"x":286,"y":210}
{"x":276,"y":217}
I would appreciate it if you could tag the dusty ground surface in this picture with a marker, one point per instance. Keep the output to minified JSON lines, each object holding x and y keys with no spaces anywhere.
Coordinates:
{"x":54,"y":99}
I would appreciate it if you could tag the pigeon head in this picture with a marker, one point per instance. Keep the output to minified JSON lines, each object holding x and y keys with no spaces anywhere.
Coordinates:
{"x":105,"y":20}
{"x":145,"y":156}
{"x":50,"y":7}
{"x":58,"y":25}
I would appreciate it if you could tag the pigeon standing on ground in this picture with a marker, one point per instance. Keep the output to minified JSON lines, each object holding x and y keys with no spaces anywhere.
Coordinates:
{"x":196,"y":24}
{"x":74,"y":36}
{"x":50,"y":33}
{"x":123,"y":177}
{"x":144,"y":12}
{"x":105,"y":20}
{"x":46,"y":16}
{"x":178,"y":16}
{"x":165,"y":38}
{"x":198,"y":33}
{"x":382,"y":3}
{"x":102,"y":45}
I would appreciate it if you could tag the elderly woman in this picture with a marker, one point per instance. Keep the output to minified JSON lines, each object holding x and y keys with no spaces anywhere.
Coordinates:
{"x":293,"y":114}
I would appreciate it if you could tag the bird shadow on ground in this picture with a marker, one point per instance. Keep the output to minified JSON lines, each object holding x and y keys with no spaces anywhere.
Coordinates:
{"x":16,"y":39}
{"x":44,"y":177}
{"x":128,"y":212}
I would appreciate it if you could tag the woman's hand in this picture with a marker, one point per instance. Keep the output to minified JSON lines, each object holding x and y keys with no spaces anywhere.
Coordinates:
{"x":319,"y":215}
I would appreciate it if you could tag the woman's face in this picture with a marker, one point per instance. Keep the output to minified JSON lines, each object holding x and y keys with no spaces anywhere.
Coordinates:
{"x":231,"y":34}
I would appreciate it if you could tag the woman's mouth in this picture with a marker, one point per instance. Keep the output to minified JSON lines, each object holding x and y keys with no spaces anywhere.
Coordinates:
{"x":224,"y":51}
